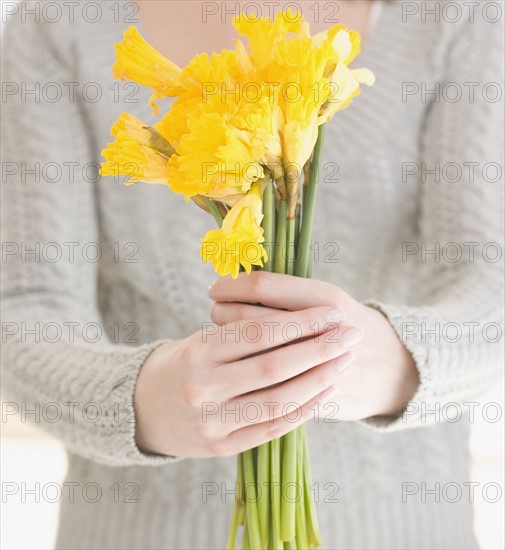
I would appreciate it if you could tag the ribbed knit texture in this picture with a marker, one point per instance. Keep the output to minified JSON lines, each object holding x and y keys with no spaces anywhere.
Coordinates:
{"x":365,"y":208}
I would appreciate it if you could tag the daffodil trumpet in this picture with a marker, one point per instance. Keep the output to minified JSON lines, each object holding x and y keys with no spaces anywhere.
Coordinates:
{"x":253,"y":165}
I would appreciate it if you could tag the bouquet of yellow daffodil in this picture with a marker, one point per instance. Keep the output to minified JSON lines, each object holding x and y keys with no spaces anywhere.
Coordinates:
{"x":243,"y":136}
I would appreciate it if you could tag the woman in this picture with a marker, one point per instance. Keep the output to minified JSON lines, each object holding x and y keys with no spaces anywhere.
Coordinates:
{"x":129,"y":269}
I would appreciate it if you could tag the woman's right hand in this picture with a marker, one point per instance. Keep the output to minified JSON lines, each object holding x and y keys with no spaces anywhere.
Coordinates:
{"x":229,"y":388}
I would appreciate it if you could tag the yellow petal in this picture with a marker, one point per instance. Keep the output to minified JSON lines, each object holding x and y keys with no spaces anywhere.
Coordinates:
{"x":127,"y":157}
{"x":139,"y":152}
{"x":342,"y":44}
{"x":243,"y":59}
{"x":264,"y":35}
{"x":299,"y":142}
{"x":346,"y":87}
{"x":337,"y":36}
{"x":364,"y":76}
{"x":138,"y":61}
{"x":213,"y":157}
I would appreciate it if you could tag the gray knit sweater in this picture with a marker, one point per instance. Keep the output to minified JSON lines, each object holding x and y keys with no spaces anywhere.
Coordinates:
{"x":78,"y":327}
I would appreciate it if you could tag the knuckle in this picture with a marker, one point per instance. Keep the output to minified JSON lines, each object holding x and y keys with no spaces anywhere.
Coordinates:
{"x":193,"y":394}
{"x":269,"y":369}
{"x":243,"y":311}
{"x":253,"y":332}
{"x":261,"y":283}
{"x":324,"y":351}
{"x":264,"y":338}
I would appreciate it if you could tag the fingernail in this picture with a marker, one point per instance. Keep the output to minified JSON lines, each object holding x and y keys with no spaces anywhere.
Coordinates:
{"x":343,"y":362}
{"x":352,"y":337}
{"x":335,"y":316}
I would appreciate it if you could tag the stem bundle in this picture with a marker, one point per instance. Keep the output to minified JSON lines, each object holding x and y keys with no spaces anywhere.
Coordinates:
{"x":274,"y":480}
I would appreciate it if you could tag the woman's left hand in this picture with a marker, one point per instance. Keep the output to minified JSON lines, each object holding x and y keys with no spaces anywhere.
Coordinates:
{"x":383,"y":376}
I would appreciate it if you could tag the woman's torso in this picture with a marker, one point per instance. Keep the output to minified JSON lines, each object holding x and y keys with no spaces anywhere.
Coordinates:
{"x":153,"y":277}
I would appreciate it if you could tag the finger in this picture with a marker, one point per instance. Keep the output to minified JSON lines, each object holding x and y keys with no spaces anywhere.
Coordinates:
{"x":277,"y":291}
{"x":234,"y":341}
{"x":223,"y":313}
{"x":253,"y":436}
{"x":267,"y":405}
{"x":268,"y":369}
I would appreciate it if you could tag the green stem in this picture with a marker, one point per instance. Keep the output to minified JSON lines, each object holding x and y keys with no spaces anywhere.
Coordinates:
{"x":297,"y":223}
{"x":302,"y":537}
{"x":246,"y":543}
{"x":263,"y":487}
{"x":291,"y":247}
{"x":309,"y":205}
{"x":288,"y":505}
{"x":274,"y":518}
{"x":232,"y":533}
{"x":214,"y":210}
{"x":306,"y":177}
{"x":238,"y":507}
{"x":280,"y":260}
{"x":240,"y":489}
{"x":275,"y":461}
{"x":310,"y":505}
{"x":268,"y":225}
{"x":298,"y":215}
{"x":251,"y":498}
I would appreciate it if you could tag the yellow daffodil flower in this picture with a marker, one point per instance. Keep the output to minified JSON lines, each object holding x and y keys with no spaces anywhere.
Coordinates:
{"x":238,"y":242}
{"x":237,"y":115}
{"x":213,"y":83}
{"x":224,"y":146}
{"x":139,"y":152}
{"x":346,"y":86}
{"x":260,"y":123}
{"x":213,"y":160}
{"x":300,"y":97}
{"x":264,"y":35}
{"x":138,"y":61}
{"x":346,"y":42}
{"x":345,"y":82}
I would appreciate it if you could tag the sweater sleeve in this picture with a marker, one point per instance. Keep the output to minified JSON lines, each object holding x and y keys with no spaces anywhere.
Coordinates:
{"x":453,"y":325}
{"x":54,"y":368}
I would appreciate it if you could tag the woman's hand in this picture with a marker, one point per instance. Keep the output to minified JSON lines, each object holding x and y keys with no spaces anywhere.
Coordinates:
{"x":229,"y":388}
{"x":382,"y":378}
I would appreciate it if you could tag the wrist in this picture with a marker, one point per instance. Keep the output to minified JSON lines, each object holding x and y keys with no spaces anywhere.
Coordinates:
{"x":400,"y":369}
{"x":146,"y":400}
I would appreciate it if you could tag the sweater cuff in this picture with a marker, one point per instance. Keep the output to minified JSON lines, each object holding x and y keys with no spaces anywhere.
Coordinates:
{"x":119,"y":437}
{"x":427,"y":397}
